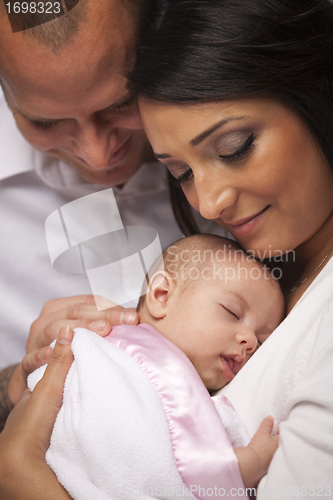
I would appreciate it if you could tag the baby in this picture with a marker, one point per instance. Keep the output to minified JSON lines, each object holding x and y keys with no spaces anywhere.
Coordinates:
{"x":144,"y":414}
{"x":215,"y":302}
{"x":218,"y":305}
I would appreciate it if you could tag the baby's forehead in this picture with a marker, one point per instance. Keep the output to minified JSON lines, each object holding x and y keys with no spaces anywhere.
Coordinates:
{"x":209,"y":252}
{"x":202,"y":249}
{"x":213,"y":258}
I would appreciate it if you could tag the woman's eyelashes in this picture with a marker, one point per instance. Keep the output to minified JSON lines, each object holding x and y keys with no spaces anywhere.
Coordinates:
{"x":241,"y":152}
{"x":238,"y":155}
{"x":185,"y":177}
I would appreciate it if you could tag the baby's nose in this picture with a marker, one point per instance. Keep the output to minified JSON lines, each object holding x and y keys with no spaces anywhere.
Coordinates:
{"x":247,"y":339}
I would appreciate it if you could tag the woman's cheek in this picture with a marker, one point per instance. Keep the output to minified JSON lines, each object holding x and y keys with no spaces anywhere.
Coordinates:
{"x":191,"y":194}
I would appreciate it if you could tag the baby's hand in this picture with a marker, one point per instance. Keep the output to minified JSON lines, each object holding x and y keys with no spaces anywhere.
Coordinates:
{"x":254,"y":459}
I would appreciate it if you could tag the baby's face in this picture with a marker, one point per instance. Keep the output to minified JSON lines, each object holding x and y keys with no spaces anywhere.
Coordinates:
{"x":220,"y":323}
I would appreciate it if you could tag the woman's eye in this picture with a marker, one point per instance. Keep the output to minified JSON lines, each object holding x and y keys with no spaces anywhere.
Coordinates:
{"x":185,"y":177}
{"x":45,"y":125}
{"x":258,"y":343}
{"x":241,"y":152}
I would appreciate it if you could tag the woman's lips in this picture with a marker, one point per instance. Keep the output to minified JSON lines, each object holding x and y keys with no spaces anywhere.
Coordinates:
{"x":245,"y":226}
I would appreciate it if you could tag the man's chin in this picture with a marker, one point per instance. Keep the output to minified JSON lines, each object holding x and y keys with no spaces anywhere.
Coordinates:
{"x":107,"y":178}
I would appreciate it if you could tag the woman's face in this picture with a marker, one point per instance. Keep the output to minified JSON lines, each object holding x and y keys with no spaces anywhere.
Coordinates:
{"x":252,"y":165}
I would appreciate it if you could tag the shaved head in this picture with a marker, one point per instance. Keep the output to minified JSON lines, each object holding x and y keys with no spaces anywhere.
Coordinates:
{"x":63,"y":27}
{"x":60,"y":31}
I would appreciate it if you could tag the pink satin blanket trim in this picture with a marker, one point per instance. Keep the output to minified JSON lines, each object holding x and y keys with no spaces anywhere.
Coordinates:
{"x":222,"y":400}
{"x":202,"y":450}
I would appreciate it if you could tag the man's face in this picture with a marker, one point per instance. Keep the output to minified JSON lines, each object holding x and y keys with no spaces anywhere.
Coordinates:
{"x":73,"y":104}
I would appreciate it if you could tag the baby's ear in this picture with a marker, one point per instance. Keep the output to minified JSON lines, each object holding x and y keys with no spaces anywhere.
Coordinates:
{"x":160,"y":288}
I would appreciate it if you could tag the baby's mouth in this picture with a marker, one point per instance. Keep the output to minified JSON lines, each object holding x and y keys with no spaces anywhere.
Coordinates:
{"x":227,"y":367}
{"x":231,"y":365}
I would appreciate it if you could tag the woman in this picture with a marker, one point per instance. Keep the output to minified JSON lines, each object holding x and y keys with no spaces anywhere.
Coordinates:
{"x":237,"y":101}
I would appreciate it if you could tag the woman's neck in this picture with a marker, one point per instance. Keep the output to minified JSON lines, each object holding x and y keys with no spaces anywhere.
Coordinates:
{"x":300,"y":270}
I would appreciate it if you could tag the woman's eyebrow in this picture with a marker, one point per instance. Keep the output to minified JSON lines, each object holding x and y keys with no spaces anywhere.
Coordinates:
{"x":199,"y":138}
{"x":162,"y":156}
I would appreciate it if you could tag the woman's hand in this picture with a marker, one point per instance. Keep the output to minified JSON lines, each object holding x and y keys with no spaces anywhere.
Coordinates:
{"x":26,"y":436}
{"x":77,"y":311}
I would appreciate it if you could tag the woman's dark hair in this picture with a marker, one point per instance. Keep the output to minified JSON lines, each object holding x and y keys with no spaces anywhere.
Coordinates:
{"x":203,"y":50}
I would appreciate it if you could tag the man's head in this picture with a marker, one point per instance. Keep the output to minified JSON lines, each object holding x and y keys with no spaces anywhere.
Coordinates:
{"x":65,"y":82}
{"x":215,"y":303}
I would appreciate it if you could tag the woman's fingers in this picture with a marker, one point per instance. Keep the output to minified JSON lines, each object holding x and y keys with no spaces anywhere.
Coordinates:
{"x":46,"y":399}
{"x":46,"y":328}
{"x":26,"y":435}
{"x":51,"y":330}
{"x":85,"y":315}
{"x":34,"y":360}
{"x":29,"y":364}
{"x":54,"y":305}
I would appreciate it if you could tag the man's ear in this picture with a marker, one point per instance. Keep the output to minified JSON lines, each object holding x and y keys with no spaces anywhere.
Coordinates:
{"x":160,"y":289}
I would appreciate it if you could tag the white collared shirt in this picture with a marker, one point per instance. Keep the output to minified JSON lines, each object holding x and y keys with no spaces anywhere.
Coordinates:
{"x":32,"y":186}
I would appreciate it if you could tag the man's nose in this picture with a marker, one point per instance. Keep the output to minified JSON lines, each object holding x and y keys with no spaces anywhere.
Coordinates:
{"x":95,"y":144}
{"x":246,"y":337}
{"x":213,"y":195}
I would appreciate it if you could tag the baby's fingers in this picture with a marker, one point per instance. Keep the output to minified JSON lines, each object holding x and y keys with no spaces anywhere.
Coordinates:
{"x":266,"y":425}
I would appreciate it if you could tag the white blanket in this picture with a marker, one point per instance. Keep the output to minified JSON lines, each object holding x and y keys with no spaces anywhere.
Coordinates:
{"x":131,"y":426}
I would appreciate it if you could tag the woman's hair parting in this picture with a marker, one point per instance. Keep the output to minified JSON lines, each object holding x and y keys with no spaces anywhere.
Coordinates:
{"x":204,"y":50}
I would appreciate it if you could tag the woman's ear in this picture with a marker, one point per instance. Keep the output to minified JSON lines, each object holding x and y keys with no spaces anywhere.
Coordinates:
{"x":160,"y":289}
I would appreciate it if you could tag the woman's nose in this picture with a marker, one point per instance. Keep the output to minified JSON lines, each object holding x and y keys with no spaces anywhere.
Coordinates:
{"x":247,"y":339}
{"x":214,"y":196}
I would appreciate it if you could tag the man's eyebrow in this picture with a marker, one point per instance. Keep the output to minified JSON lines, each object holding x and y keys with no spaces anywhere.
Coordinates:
{"x":50,"y":120}
{"x":199,"y":138}
{"x":28,"y":117}
{"x":37,"y":119}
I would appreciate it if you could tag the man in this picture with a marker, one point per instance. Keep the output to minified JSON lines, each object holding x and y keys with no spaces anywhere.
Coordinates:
{"x":68,"y":128}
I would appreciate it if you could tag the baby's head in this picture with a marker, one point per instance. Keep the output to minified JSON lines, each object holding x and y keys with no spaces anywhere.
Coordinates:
{"x":214,"y":302}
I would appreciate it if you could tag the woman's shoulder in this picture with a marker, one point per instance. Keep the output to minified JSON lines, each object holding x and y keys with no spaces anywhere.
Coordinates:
{"x":319,"y":295}
{"x":284,"y":358}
